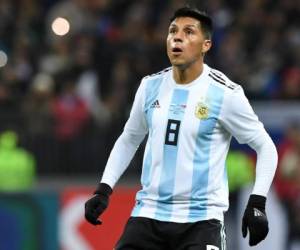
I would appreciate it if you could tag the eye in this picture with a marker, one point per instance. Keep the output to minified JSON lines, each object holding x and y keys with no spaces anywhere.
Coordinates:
{"x":189,"y":32}
{"x":172,"y":31}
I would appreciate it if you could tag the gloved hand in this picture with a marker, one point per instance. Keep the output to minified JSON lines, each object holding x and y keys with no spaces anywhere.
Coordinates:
{"x":95,"y":206}
{"x":255,"y":220}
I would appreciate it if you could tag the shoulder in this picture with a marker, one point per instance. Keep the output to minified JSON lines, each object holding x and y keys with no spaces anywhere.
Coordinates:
{"x":151,"y":83}
{"x":161,"y":74}
{"x":220,"y":79}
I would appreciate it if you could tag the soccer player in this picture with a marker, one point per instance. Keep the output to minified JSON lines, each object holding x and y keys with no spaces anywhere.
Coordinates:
{"x":190,"y":113}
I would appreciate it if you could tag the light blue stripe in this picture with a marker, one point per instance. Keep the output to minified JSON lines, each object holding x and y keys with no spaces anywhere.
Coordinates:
{"x":152,"y":90}
{"x":198,"y":206}
{"x":167,"y":177}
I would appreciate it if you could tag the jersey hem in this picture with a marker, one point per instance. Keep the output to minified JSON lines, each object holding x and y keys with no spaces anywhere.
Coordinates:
{"x":145,"y":214}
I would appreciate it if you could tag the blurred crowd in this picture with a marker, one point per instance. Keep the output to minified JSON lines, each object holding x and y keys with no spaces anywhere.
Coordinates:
{"x":287,"y":182}
{"x":64,"y":99}
{"x":68,"y":96}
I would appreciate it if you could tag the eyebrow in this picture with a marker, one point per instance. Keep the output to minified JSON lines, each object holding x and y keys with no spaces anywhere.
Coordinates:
{"x":186,"y":26}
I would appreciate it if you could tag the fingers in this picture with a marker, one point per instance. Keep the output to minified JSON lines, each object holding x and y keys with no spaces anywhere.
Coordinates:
{"x":99,"y":210}
{"x":93,"y":210}
{"x":255,"y":239}
{"x":92,"y":217}
{"x":257,"y":226}
{"x":258,"y":235}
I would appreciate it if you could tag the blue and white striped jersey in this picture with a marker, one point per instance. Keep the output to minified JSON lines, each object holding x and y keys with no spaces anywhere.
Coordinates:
{"x":189,"y":132}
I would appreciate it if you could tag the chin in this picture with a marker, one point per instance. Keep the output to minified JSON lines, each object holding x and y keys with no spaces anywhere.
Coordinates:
{"x":178,"y":64}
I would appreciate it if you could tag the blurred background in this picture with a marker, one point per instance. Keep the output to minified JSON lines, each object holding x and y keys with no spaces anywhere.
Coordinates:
{"x":68,"y":74}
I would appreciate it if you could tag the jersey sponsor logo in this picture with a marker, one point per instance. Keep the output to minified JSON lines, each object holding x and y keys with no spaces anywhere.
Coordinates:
{"x":201,"y":110}
{"x":177,"y":109}
{"x":155,"y":104}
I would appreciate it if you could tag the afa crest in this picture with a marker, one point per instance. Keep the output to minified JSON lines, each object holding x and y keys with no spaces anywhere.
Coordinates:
{"x":201,"y":110}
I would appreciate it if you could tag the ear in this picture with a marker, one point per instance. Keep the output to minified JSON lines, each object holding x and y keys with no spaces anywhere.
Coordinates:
{"x":206,"y":46}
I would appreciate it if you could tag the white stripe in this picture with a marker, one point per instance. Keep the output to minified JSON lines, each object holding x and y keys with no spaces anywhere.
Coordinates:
{"x":223,"y":237}
{"x":185,"y":156}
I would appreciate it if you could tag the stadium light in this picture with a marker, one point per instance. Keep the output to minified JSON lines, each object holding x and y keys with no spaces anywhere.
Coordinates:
{"x":60,"y":26}
{"x":3,"y":58}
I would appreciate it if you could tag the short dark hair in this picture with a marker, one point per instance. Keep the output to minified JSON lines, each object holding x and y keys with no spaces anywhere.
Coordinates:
{"x":204,"y":19}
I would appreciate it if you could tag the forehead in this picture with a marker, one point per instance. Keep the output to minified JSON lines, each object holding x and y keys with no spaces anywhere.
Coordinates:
{"x":185,"y":21}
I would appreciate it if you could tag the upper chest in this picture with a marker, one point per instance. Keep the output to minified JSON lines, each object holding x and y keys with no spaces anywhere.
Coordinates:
{"x":200,"y":101}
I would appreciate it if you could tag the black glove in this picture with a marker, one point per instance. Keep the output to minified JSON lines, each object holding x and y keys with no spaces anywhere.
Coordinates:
{"x":95,"y":206}
{"x":255,"y":220}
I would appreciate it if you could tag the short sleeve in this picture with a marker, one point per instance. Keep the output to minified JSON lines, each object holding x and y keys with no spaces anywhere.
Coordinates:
{"x":238,"y":117}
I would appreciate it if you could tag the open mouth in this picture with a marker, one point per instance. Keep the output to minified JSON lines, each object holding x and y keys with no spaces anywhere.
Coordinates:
{"x":176,"y":50}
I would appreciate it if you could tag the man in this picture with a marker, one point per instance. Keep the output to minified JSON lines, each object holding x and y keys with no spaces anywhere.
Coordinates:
{"x":190,"y":112}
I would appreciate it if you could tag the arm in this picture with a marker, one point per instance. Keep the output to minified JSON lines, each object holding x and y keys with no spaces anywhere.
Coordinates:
{"x":240,"y":120}
{"x":125,"y":147}
{"x":120,"y":156}
{"x":265,"y":164}
{"x":119,"y":159}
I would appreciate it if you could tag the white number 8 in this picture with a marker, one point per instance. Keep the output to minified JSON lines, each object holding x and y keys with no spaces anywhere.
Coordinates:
{"x":211,"y":247}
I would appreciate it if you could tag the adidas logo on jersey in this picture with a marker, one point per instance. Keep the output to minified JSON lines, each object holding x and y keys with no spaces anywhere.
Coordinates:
{"x":258,"y":213}
{"x":155,"y":104}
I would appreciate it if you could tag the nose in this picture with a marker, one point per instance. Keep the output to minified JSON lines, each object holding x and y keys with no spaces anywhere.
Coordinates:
{"x":178,"y":37}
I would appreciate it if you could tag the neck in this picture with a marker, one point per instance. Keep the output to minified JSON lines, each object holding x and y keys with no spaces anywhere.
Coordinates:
{"x":188,"y":74}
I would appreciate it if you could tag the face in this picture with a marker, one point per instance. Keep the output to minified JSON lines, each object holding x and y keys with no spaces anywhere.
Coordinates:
{"x":186,"y":43}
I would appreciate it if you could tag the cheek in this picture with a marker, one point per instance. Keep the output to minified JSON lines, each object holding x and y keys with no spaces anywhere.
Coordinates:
{"x":169,"y":49}
{"x":195,"y":49}
{"x":168,"y":42}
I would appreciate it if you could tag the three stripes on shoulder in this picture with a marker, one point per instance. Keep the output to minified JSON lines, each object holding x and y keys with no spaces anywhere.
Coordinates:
{"x":217,"y":76}
{"x":214,"y":74}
